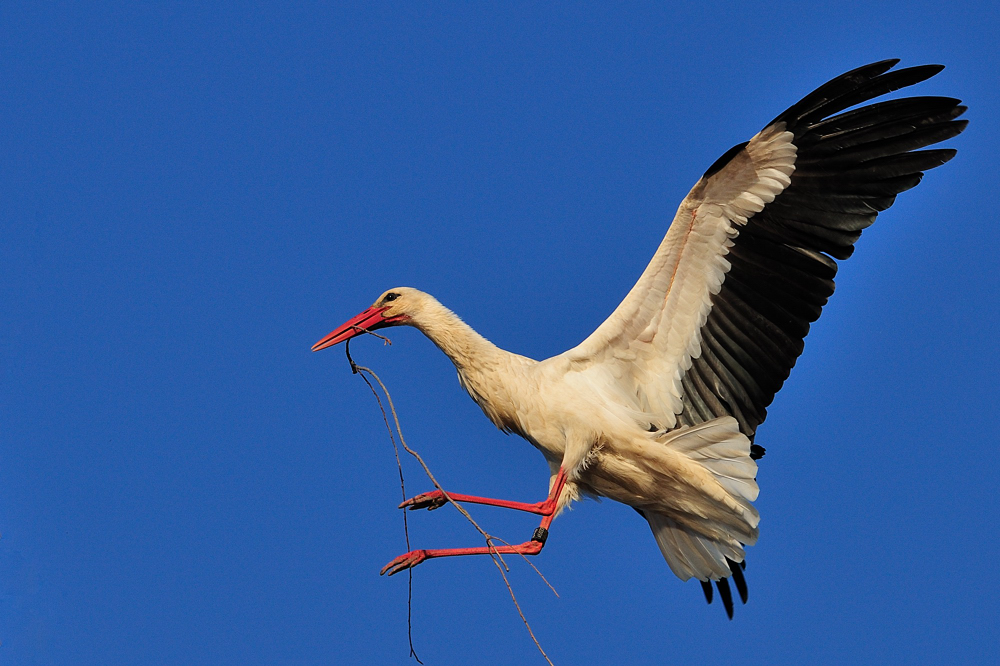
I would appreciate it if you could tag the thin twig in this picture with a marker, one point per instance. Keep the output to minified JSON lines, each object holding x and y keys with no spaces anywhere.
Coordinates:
{"x":356,"y":369}
{"x":495,"y":555}
{"x":532,"y":565}
{"x":402,"y":487}
{"x":497,"y":558}
{"x":521,"y":613}
{"x":385,"y":341}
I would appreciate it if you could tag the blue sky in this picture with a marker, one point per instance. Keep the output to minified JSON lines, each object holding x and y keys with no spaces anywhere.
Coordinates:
{"x":192,"y":196}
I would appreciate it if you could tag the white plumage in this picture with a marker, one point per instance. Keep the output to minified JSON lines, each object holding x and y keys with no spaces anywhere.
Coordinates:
{"x":659,"y":406}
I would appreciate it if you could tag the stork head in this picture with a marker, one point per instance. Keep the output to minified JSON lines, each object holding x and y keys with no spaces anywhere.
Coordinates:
{"x":394,"y":307}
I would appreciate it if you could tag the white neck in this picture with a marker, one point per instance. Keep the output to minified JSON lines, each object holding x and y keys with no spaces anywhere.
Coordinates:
{"x":466,"y":348}
{"x":488,"y":373}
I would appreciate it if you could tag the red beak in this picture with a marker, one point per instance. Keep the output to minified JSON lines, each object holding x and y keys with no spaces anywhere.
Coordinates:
{"x":369,"y":320}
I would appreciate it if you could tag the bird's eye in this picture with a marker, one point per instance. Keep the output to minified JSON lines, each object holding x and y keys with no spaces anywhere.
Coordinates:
{"x":390,"y":297}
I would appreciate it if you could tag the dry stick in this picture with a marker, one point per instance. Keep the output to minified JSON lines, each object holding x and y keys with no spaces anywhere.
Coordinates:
{"x":494,"y":555}
{"x":385,"y":342}
{"x":402,"y":487}
{"x":530,"y":564}
{"x":355,"y":368}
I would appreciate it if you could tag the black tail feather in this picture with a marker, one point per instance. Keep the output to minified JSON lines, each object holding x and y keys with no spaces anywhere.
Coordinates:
{"x":738,"y":579}
{"x":725,"y":595}
{"x":706,"y":587}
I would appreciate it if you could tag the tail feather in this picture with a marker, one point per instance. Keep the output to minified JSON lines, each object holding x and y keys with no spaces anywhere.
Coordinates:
{"x":691,"y":555}
{"x":724,"y":451}
{"x":698,"y":546}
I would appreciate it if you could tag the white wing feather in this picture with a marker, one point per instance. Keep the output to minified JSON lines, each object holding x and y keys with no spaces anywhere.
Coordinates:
{"x":649,"y":341}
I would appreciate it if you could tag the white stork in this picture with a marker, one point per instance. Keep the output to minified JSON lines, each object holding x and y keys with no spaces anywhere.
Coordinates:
{"x":657,"y":409}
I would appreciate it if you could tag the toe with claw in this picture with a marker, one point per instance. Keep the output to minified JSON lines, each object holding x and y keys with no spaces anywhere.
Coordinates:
{"x":430,"y":501}
{"x":404,"y":562}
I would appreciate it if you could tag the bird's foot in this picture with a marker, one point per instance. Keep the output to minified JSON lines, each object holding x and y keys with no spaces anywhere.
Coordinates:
{"x":430,"y":501}
{"x":404,"y":562}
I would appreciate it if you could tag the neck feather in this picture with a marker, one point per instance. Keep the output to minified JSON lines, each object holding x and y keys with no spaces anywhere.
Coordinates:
{"x":466,"y":348}
{"x":492,"y":377}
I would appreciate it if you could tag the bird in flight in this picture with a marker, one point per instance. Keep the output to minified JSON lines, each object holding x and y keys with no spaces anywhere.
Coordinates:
{"x":658,"y":408}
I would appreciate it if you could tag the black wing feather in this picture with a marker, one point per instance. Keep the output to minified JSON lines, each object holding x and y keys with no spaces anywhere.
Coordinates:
{"x":850,"y":165}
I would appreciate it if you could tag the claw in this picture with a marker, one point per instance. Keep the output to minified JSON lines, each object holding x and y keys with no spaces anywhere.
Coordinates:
{"x":404,"y":562}
{"x":430,"y":501}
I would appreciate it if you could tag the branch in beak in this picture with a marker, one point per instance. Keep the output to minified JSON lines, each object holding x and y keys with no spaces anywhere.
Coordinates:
{"x":371,"y":319}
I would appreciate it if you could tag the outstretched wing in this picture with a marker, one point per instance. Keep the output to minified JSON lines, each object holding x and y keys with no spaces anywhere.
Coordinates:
{"x":717,"y":320}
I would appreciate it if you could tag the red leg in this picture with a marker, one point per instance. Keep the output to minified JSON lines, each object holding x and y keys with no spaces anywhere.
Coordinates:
{"x":415,"y":557}
{"x":435,"y":499}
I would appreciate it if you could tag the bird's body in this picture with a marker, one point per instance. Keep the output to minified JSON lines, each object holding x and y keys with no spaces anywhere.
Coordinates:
{"x":584,"y":425}
{"x":659,"y":407}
